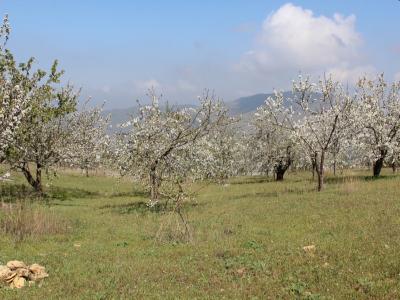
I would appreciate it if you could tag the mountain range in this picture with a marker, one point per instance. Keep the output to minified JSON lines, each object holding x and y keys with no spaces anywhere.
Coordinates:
{"x":241,"y":106}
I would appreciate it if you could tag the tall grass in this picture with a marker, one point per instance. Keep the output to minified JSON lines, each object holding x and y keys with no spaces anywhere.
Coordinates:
{"x":21,"y":220}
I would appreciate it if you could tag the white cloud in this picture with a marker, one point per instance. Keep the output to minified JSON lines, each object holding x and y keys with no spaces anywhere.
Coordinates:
{"x":294,"y":39}
{"x":351,"y":75}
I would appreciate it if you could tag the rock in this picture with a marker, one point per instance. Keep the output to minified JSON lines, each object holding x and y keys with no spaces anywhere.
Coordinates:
{"x":37,"y":272}
{"x":241,"y":271}
{"x":22,"y":272}
{"x":11,"y":277}
{"x":16,"y":264}
{"x":310,"y":248}
{"x":17,"y":275}
{"x":4,"y":273}
{"x":18,"y":282}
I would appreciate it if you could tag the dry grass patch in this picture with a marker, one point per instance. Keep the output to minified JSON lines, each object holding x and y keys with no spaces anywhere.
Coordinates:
{"x":22,"y":220}
{"x":350,"y":185}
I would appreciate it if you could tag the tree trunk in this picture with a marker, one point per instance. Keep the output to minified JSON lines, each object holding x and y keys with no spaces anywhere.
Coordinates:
{"x":313,"y":165}
{"x":280,"y":171}
{"x":283,"y":165}
{"x":36,"y":183}
{"x":87,"y":171}
{"x":154,"y":185}
{"x":334,"y":167}
{"x":38,"y":186}
{"x":320,"y":172}
{"x":378,"y":164}
{"x":394,"y":167}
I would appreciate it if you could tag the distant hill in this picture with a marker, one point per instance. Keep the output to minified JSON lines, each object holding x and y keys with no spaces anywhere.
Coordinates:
{"x":122,"y":115}
{"x":242,"y":106}
{"x":247,"y":104}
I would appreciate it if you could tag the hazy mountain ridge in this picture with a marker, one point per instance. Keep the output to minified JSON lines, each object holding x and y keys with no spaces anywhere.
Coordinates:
{"x":241,"y":106}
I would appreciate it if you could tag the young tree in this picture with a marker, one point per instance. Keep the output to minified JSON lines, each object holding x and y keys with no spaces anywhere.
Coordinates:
{"x":316,"y":116}
{"x":162,"y":145}
{"x":274,"y":143}
{"x":378,"y":120}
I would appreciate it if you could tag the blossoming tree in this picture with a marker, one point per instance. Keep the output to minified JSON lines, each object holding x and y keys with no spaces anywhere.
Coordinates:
{"x":87,"y":138}
{"x":42,"y":137}
{"x":14,"y":97}
{"x":315,"y":116}
{"x":378,"y":120}
{"x":162,"y":146}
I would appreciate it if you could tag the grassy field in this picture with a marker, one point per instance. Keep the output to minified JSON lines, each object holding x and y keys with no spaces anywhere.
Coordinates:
{"x":248,"y":239}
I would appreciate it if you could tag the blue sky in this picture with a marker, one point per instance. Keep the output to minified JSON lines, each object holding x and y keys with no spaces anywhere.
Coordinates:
{"x":115,"y":50}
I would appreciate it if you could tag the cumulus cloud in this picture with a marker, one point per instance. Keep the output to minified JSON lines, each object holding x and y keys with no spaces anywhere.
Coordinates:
{"x":294,"y":39}
{"x":351,"y":74}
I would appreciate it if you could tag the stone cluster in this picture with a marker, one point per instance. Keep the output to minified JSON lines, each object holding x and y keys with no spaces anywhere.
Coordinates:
{"x":16,"y":274}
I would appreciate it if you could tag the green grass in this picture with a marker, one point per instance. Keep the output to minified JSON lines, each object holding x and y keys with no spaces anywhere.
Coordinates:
{"x":247,"y":242}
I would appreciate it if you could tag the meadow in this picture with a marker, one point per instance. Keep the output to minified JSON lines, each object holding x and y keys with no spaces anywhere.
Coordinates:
{"x":247,"y":240}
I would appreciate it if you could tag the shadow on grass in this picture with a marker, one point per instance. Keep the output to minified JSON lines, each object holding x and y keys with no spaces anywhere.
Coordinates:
{"x":253,"y":179}
{"x":135,"y":193}
{"x":275,"y":194}
{"x":62,"y":194}
{"x":10,"y":192}
{"x":142,"y":207}
{"x":343,"y":179}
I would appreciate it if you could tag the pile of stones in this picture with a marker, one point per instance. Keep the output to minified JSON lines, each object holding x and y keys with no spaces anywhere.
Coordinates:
{"x":16,"y":274}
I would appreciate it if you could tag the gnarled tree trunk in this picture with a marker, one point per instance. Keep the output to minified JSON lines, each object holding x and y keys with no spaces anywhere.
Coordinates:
{"x":283,"y":165}
{"x":36,"y":183}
